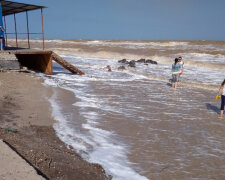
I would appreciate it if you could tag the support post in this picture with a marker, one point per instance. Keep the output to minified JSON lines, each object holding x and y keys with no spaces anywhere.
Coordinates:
{"x":42,"y":22}
{"x":15,"y":29}
{"x":28,"y":33}
{"x":6,"y":40}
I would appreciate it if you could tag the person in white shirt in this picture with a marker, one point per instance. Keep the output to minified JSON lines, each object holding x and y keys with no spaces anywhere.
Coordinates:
{"x":176,"y":68}
{"x":182,"y":65}
{"x":222,"y":93}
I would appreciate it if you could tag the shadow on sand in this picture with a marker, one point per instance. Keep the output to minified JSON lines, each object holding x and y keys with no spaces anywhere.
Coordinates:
{"x":212,"y":107}
{"x":169,"y":84}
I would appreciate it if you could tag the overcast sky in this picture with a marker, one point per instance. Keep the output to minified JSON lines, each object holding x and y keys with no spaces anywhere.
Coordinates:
{"x":127,"y":19}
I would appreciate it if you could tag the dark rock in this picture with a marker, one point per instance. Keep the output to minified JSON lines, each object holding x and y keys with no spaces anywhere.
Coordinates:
{"x":132,"y":63}
{"x":141,"y":61}
{"x":121,"y":68}
{"x":109,"y":68}
{"x":151,"y":61}
{"x":123,"y":61}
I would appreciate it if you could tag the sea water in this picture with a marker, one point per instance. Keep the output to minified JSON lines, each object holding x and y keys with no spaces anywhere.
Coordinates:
{"x":132,"y":122}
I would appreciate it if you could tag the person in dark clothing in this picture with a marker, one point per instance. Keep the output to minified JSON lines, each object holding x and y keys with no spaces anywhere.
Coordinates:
{"x":1,"y":37}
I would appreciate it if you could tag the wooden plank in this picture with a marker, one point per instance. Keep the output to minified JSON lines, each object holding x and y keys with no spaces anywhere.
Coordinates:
{"x":66,"y":64}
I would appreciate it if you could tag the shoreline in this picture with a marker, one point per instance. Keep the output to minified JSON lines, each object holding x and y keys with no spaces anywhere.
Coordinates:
{"x":24,"y":106}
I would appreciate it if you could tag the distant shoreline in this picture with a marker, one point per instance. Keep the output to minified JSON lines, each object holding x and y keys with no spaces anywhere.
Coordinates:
{"x":129,"y":40}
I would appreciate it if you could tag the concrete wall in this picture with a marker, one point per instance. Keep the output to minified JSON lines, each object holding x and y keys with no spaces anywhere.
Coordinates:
{"x":8,"y":61}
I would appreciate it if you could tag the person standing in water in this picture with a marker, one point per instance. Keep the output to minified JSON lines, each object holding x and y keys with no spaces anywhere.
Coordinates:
{"x":222,"y":93}
{"x":176,"y":69}
{"x":180,"y":60}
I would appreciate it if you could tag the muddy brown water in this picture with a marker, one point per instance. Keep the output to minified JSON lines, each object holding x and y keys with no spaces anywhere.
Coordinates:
{"x":132,"y":122}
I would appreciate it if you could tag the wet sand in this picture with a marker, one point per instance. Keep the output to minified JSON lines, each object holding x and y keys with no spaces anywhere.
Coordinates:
{"x":24,"y":107}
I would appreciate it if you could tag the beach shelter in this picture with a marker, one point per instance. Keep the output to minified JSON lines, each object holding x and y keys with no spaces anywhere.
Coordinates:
{"x":39,"y":60}
{"x":13,"y":8}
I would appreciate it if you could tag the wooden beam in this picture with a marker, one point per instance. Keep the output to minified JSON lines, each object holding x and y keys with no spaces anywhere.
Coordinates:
{"x":66,"y":64}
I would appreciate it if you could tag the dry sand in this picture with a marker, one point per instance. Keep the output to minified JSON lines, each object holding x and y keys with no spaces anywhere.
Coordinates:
{"x":24,"y":106}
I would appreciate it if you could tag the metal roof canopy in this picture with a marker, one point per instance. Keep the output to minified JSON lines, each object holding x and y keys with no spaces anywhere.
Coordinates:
{"x":13,"y":8}
{"x":10,"y":7}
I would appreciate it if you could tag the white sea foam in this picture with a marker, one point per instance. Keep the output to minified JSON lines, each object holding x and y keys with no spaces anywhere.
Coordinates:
{"x":100,"y":146}
{"x":64,"y":131}
{"x":105,"y":58}
{"x":95,"y":71}
{"x":111,"y":155}
{"x":168,"y":45}
{"x":105,"y":146}
{"x":203,"y":57}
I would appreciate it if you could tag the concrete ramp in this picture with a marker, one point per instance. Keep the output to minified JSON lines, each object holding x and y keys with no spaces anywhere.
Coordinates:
{"x":66,"y":64}
{"x":12,"y":166}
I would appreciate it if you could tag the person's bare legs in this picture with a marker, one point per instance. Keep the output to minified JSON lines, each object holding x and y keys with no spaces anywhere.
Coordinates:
{"x":1,"y":43}
{"x":175,"y":85}
{"x":221,"y":113}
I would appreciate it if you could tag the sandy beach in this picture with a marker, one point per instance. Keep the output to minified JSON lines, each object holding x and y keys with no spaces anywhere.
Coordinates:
{"x":92,"y":90}
{"x":131,"y":122}
{"x":24,"y":106}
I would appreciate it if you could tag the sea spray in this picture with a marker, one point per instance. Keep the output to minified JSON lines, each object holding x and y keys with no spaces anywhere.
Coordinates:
{"x":104,"y":150}
{"x":148,"y":126}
